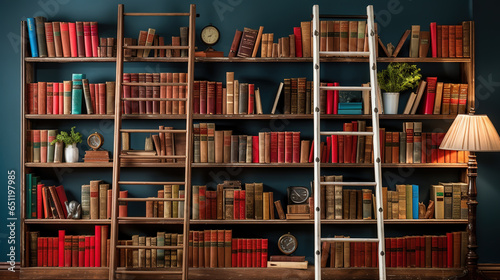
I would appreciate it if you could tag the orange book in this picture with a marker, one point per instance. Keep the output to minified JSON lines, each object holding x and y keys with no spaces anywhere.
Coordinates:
{"x":213,"y":248}
{"x":395,"y":146}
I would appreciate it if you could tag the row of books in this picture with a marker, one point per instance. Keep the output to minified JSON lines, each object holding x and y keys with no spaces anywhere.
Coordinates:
{"x":39,"y":147}
{"x":178,"y":89}
{"x":442,"y":40}
{"x":429,"y":251}
{"x":149,"y":258}
{"x":167,"y":209}
{"x":68,"y":250}
{"x":217,"y":248}
{"x":433,"y":97}
{"x":66,"y":97}
{"x":209,"y":97}
{"x":44,"y":202}
{"x":64,"y":39}
{"x":343,"y":36}
{"x":231,"y":202}
{"x":149,"y":38}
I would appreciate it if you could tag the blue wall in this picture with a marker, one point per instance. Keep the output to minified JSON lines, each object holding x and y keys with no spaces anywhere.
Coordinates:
{"x":393,"y":16}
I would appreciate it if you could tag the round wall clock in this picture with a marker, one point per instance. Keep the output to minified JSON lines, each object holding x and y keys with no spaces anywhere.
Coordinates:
{"x":95,"y":141}
{"x":210,"y":35}
{"x":287,"y":244}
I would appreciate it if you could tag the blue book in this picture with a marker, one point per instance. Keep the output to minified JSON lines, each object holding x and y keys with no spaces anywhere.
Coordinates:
{"x":29,"y":185}
{"x":77,"y":94}
{"x":350,"y":105}
{"x":350,"y":112}
{"x":415,"y":201}
{"x":32,"y":36}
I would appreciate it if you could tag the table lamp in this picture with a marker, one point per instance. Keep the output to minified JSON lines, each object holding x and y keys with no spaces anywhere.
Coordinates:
{"x":473,"y":133}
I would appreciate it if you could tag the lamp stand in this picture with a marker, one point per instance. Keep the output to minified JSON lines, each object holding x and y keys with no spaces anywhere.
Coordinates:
{"x":471,"y":271}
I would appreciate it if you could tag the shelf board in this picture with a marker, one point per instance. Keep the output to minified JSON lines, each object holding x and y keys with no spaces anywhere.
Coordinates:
{"x":66,"y":164}
{"x":143,"y":220}
{"x":70,"y":59}
{"x":69,"y":117}
{"x":66,"y":221}
{"x":152,"y":164}
{"x":310,"y":117}
{"x":336,"y":165}
{"x":153,"y":117}
{"x":423,"y":59}
{"x":360,"y":222}
{"x":64,"y":273}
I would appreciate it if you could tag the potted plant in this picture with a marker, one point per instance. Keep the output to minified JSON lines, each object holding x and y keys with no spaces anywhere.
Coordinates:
{"x":397,"y":78}
{"x":71,"y":152}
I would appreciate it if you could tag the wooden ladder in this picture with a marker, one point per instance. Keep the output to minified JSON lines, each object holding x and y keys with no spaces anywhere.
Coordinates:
{"x":377,"y":183}
{"x":117,"y":182}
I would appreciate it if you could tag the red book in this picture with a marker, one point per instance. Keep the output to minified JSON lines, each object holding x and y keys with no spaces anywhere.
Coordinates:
{"x":39,"y":201}
{"x":429,"y":96}
{"x":39,"y":251}
{"x":242,"y":204}
{"x":449,"y":243}
{"x":440,"y":153}
{"x":55,"y":98}
{"x":422,"y":251}
{"x":62,"y":233}
{"x":92,"y":251}
{"x":66,"y":46}
{"x":86,"y":38}
{"x":203,"y":97}
{"x":418,"y":248}
{"x":42,"y":97}
{"x":248,"y":253}
{"x":440,"y":251}
{"x":87,"y":251}
{"x":218,"y":98}
{"x":341,"y":141}
{"x":433,"y":39}
{"x":296,"y":146}
{"x":258,"y":252}
{"x":49,"y":101}
{"x":234,"y":253}
{"x":264,"y":253}
{"x":49,"y":39}
{"x":196,"y":97}
{"x":134,"y":92}
{"x":388,"y":252}
{"x":73,"y":45}
{"x":97,"y":246}
{"x":298,"y":44}
{"x":251,"y":98}
{"x":254,"y":252}
{"x":399,"y":248}
{"x":330,"y":108}
{"x":45,"y":248}
{"x":202,"y":201}
{"x":335,"y":148}
{"x":94,"y":35}
{"x":142,"y":93}
{"x":405,"y":259}
{"x":50,"y":248}
{"x":33,"y":98}
{"x":240,"y":256}
{"x":211,"y":98}
{"x":102,"y":98}
{"x":127,"y":109}
{"x":348,"y":143}
{"x":374,"y":254}
{"x":80,"y":41}
{"x":274,"y":147}
{"x":236,"y":205}
{"x":328,"y":148}
{"x":413,"y":246}
{"x":67,"y":250}
{"x":354,"y":142}
{"x":311,"y":152}
{"x":81,"y":251}
{"x":74,"y":251}
{"x":55,"y":251}
{"x":394,"y":252}
{"x":255,"y":148}
{"x":443,"y":251}
{"x":61,"y":98}
{"x":435,"y":252}
{"x":335,"y":99}
{"x":288,"y":147}
{"x":281,"y":147}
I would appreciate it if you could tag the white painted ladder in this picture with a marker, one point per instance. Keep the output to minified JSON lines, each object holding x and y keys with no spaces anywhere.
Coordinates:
{"x":371,"y":54}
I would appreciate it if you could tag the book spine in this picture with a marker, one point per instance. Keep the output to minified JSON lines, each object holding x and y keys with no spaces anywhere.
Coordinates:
{"x":72,"y":40}
{"x":40,"y":36}
{"x":32,"y":36}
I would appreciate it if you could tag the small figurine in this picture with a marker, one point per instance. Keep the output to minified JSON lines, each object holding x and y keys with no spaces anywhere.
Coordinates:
{"x":74,"y":209}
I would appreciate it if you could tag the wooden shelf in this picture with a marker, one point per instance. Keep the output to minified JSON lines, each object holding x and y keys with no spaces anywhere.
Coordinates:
{"x":336,"y":165}
{"x":70,"y":59}
{"x":66,"y":164}
{"x":153,"y":117}
{"x":152,"y":164}
{"x":360,"y":222}
{"x":66,"y":221}
{"x":64,"y":273}
{"x":69,"y":117}
{"x":155,"y":221}
{"x":330,"y":59}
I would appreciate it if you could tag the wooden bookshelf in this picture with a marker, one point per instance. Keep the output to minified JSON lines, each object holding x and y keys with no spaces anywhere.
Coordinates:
{"x":332,"y":165}
{"x":331,"y":59}
{"x":69,"y":164}
{"x":335,"y":222}
{"x":67,"y":222}
{"x":327,"y":117}
{"x":69,"y":117}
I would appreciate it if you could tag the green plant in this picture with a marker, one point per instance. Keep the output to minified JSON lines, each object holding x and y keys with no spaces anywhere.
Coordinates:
{"x":68,"y":139}
{"x":399,"y":77}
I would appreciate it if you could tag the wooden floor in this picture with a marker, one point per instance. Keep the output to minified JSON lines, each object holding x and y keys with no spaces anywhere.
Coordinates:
{"x":492,"y":271}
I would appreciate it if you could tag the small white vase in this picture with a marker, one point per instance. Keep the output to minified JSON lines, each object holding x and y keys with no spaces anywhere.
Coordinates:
{"x":71,"y":153}
{"x":391,"y":101}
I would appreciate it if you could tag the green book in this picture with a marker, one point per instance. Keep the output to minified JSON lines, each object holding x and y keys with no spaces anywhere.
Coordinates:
{"x":211,"y":142}
{"x":34,"y":182}
{"x":409,"y":202}
{"x":50,"y":148}
{"x":160,"y":253}
{"x":77,"y":94}
{"x":28,"y":190}
{"x":175,"y":204}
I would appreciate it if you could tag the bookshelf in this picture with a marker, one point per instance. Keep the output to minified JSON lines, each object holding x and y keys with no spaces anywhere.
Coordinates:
{"x":29,"y":65}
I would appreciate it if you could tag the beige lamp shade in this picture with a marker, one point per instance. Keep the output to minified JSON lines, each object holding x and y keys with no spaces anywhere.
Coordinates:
{"x":474,"y":133}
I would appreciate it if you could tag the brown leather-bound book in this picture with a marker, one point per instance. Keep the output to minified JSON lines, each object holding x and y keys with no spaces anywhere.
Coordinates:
{"x":265,"y":205}
{"x":103,"y":200}
{"x":259,"y":207}
{"x":207,"y":244}
{"x":149,"y":209}
{"x":285,"y":47}
{"x":325,"y":252}
{"x":167,"y":205}
{"x":175,"y":94}
{"x":343,"y":36}
{"x":108,"y":203}
{"x":451,"y":41}
{"x":445,"y":36}
{"x":228,"y":235}
{"x":401,"y":43}
{"x":424,"y":44}
{"x":156,"y":93}
{"x":330,"y":200}
{"x":247,"y":42}
{"x":353,"y":36}
{"x":291,"y":39}
{"x":459,"y":41}
{"x":439,"y":98}
{"x":263,"y":47}
{"x":176,"y":41}
{"x":103,"y":49}
{"x":219,"y":146}
{"x":415,"y":40}
{"x":94,"y":199}
{"x":345,"y":204}
{"x":257,"y":41}
{"x":235,"y":44}
{"x":214,"y":245}
{"x":454,"y":98}
{"x":279,"y":209}
{"x":57,"y":203}
{"x":323,"y":35}
{"x":66,"y":48}
{"x":466,"y":28}
{"x":220,"y":202}
{"x":227,"y":146}
{"x":394,"y":146}
{"x":249,"y":150}
{"x":203,"y":143}
{"x":304,"y":151}
{"x":49,"y":38}
{"x":228,"y":204}
{"x":56,"y":28}
{"x":182,"y":93}
{"x":220,"y":249}
{"x":160,"y":208}
{"x":269,"y":44}
{"x":123,"y":205}
{"x":249,"y":200}
{"x":462,"y":98}
{"x":305,"y":27}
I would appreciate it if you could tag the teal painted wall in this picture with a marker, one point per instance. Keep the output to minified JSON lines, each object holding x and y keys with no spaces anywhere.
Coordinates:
{"x":393,"y":17}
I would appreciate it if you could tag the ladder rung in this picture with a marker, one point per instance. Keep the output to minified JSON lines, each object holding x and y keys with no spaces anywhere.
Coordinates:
{"x":152,"y":157}
{"x":156,"y":47}
{"x":349,"y":239}
{"x":157,"y":14}
{"x":360,"y":184}
{"x":152,"y":99}
{"x":343,"y":16}
{"x":345,"y":88}
{"x":143,"y":199}
{"x":153,"y":130}
{"x":345,"y":54}
{"x":154,"y":219}
{"x":354,"y":133}
{"x":145,"y":272}
{"x":147,"y":247}
{"x":149,"y":183}
{"x":153,"y":84}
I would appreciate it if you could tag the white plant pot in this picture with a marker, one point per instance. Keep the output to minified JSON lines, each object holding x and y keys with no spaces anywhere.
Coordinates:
{"x":71,"y":153}
{"x":391,"y":101}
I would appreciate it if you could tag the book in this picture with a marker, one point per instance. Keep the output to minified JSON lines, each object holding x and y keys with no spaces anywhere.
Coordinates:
{"x":415,"y":40}
{"x":401,"y":43}
{"x":305,"y":28}
{"x":76,"y":93}
{"x":40,"y":36}
{"x":235,"y":44}
{"x":247,"y":43}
